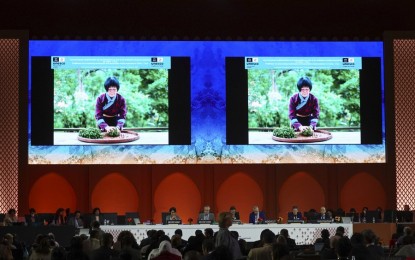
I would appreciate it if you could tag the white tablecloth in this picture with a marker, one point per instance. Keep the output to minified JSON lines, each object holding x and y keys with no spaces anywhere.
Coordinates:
{"x":302,"y":233}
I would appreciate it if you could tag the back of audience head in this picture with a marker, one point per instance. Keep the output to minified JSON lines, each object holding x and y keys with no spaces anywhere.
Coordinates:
{"x":357,"y":239}
{"x":281,"y":240}
{"x":225,"y":219}
{"x":268,"y":237}
{"x":192,"y":255}
{"x":94,"y":234}
{"x":176,"y":241}
{"x":235,"y":234}
{"x":340,"y":231}
{"x":95,"y":224}
{"x":107,"y":240}
{"x":284,"y":233}
{"x":208,"y":232}
{"x":58,"y":253}
{"x":325,"y":233}
{"x":407,"y":231}
{"x":178,"y":232}
{"x":368,"y":236}
{"x":127,"y":241}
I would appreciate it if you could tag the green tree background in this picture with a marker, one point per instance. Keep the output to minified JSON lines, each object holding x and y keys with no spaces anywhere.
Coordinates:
{"x":76,"y":91}
{"x":269,"y":92}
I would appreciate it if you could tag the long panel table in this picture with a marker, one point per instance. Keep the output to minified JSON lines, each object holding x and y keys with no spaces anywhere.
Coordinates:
{"x":303,"y":234}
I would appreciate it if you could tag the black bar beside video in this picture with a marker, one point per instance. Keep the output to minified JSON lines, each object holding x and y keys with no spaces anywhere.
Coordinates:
{"x":155,"y":98}
{"x":348,"y":91}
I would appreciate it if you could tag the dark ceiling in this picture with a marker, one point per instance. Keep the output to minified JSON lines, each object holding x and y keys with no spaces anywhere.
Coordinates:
{"x":210,"y":19}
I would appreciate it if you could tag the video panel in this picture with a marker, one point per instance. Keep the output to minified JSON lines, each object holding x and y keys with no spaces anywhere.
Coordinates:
{"x":342,"y":95}
{"x":210,"y":110}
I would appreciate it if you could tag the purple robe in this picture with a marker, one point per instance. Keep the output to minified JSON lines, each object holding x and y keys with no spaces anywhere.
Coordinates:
{"x":114,"y":114}
{"x":307,"y":115}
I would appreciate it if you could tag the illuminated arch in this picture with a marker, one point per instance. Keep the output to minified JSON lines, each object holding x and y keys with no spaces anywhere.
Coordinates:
{"x":362,"y":190}
{"x":301,"y":190}
{"x":179,"y":191}
{"x":115,"y":193}
{"x":50,"y":192}
{"x":241,"y":191}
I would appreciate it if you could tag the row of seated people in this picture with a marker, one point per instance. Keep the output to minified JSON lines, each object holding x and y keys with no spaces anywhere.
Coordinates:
{"x":65,"y":217}
{"x":223,"y":244}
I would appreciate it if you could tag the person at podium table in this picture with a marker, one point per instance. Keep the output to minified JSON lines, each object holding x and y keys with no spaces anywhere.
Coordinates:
{"x":76,"y":221}
{"x":323,"y":215}
{"x":407,"y":214}
{"x":173,"y":215}
{"x":235,"y":215}
{"x":363,"y":215}
{"x":206,"y":214}
{"x":256,"y":216}
{"x":295,"y":214}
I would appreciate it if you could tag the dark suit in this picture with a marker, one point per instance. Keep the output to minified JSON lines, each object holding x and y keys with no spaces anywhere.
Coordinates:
{"x":252,"y":216}
{"x":36,"y":221}
{"x":291,"y":216}
{"x":78,"y":223}
{"x":210,"y":217}
{"x":320,"y":216}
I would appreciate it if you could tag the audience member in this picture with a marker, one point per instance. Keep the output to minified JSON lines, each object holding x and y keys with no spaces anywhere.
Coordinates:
{"x":165,"y":251}
{"x":105,"y":251}
{"x":208,"y":233}
{"x":128,"y":246}
{"x":266,"y":251}
{"x":359,"y":249}
{"x":408,"y":247}
{"x":369,"y":239}
{"x":407,"y":231}
{"x":75,"y":250}
{"x":192,"y":255}
{"x":58,"y":253}
{"x":343,"y":248}
{"x":290,"y":242}
{"x":224,"y":237}
{"x":207,"y":247}
{"x":325,"y":238}
{"x":42,"y":251}
{"x":93,"y":242}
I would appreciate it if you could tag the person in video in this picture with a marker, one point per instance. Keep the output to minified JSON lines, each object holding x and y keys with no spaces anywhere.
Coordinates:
{"x":303,"y":107}
{"x":111,"y":108}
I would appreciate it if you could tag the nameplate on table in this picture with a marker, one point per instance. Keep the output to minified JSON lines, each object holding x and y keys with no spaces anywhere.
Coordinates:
{"x":270,"y":221}
{"x":236,"y":221}
{"x":324,"y":220}
{"x":297,"y":221}
{"x":174,"y":222}
{"x":203,"y":221}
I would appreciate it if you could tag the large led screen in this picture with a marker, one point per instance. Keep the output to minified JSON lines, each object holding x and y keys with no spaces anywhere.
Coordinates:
{"x":203,"y":102}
